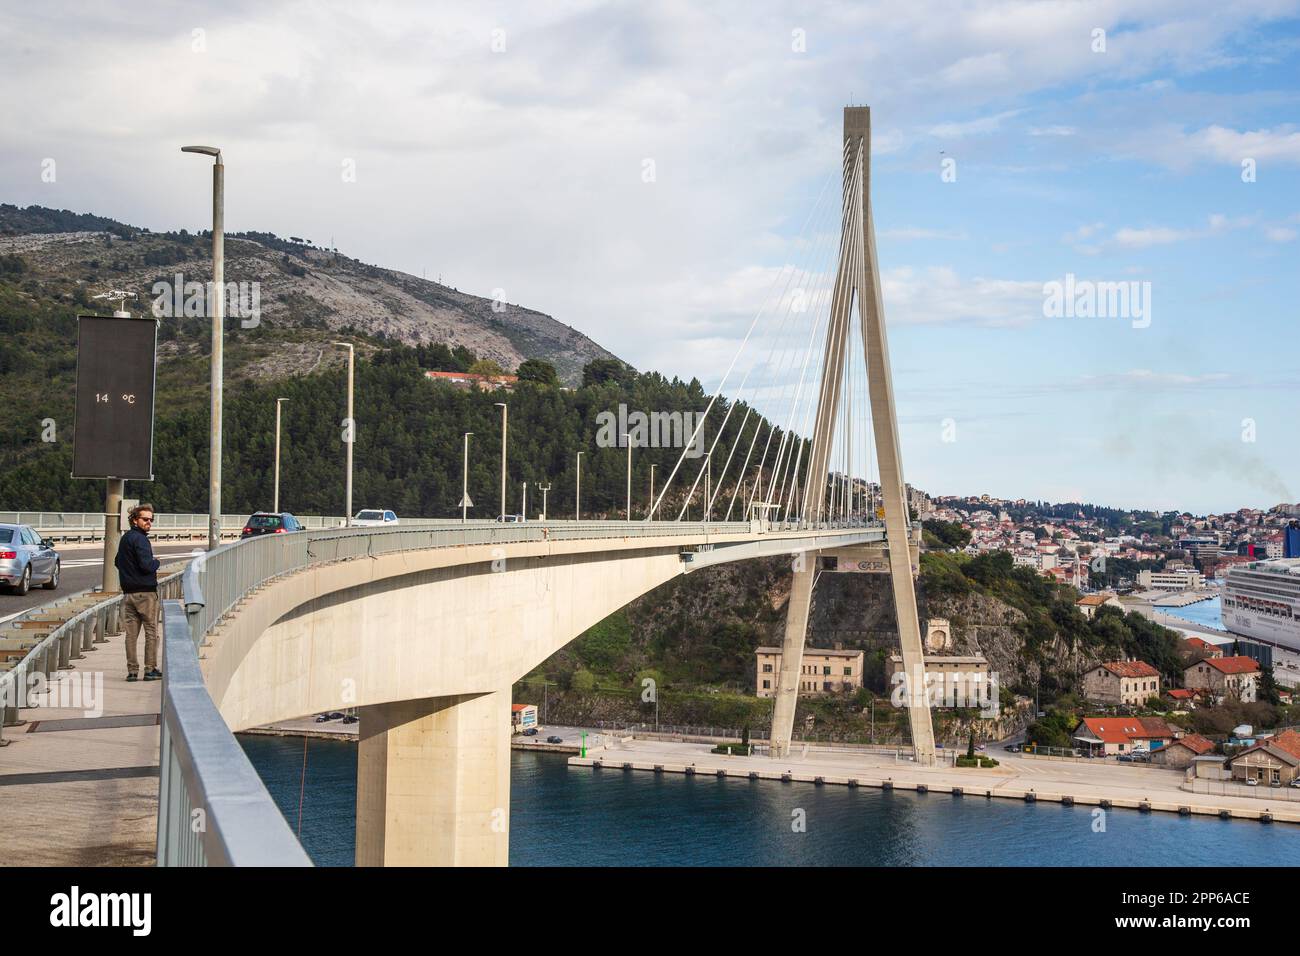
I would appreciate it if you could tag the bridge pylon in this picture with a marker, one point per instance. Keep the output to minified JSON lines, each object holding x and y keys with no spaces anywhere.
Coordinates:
{"x":857,"y":278}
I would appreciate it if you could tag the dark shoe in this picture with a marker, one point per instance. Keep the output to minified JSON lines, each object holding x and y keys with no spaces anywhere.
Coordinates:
{"x":132,"y":677}
{"x":153,"y":674}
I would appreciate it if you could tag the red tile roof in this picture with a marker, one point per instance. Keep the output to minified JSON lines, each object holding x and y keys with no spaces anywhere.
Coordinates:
{"x":1130,"y":668}
{"x":1179,"y":693}
{"x":1195,"y":743}
{"x":1288,"y":742}
{"x":1123,"y":730}
{"x":1233,"y":665}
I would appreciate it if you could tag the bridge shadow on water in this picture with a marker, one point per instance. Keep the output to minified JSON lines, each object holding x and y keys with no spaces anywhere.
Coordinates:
{"x":580,"y":817}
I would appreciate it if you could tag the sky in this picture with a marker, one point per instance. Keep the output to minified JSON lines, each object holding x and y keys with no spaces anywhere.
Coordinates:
{"x":647,"y":173}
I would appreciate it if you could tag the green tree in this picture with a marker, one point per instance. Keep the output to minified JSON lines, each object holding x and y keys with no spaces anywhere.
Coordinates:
{"x":538,"y":372}
{"x":486,"y":367}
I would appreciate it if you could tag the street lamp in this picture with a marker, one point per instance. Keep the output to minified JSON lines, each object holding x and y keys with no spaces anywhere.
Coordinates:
{"x":217,"y":303}
{"x":349,"y":430}
{"x":628,"y":438}
{"x":505,"y":423}
{"x":650,"y":506}
{"x":544,"y":489}
{"x":523,"y":506}
{"x":464,"y":482}
{"x":577,"y":496}
{"x":276,"y":500}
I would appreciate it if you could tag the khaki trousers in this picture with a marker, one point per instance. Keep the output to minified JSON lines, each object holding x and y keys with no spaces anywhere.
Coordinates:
{"x":141,"y":609}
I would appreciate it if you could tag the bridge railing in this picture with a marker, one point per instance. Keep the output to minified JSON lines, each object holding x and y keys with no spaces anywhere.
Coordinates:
{"x":213,"y":809}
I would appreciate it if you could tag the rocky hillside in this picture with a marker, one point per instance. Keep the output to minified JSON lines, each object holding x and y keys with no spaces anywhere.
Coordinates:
{"x":307,"y":294}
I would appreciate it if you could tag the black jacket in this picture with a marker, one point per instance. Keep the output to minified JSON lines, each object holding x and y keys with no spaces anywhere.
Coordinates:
{"x":137,"y":568}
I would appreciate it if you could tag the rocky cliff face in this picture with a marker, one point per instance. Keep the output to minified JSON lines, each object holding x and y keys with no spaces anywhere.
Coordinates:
{"x":301,"y":288}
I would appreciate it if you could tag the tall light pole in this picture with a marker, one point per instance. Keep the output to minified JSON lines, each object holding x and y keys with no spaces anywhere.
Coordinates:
{"x":544,"y":489}
{"x":577,"y":495}
{"x":650,"y":506}
{"x":505,"y":423}
{"x":523,"y":506}
{"x":349,"y":431}
{"x":464,"y":482}
{"x":217,"y":304}
{"x":275,"y":506}
{"x":628,"y":438}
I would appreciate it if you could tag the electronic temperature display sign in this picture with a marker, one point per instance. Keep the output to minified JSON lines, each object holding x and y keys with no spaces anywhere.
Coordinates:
{"x":113,"y":432}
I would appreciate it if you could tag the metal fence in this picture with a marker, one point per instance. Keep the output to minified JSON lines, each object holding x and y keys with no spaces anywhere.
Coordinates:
{"x":1226,"y":788}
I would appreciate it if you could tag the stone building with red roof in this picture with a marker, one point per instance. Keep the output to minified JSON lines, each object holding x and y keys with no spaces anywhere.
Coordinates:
{"x":1121,"y":682}
{"x":1224,"y":677}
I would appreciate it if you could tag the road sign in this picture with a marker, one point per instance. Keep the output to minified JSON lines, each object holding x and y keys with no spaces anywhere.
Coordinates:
{"x":465,"y":502}
{"x":113,"y":431}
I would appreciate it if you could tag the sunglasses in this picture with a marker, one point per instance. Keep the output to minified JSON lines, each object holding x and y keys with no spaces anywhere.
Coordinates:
{"x":142,"y":518}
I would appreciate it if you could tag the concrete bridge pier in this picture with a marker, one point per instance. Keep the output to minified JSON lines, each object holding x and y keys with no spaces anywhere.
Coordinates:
{"x":433,"y":782}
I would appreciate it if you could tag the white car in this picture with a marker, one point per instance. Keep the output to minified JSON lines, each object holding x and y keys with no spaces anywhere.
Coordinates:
{"x":374,"y":518}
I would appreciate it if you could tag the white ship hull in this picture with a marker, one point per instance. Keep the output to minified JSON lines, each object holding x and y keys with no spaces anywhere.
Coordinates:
{"x":1271,"y":630}
{"x":1262,"y":601}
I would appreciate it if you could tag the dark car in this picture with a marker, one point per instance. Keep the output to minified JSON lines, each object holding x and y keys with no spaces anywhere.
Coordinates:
{"x":267,"y":522}
{"x":530,"y":732}
{"x":554,"y":739}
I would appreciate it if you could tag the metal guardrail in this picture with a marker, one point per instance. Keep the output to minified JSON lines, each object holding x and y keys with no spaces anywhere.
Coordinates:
{"x":54,"y":650}
{"x":205,"y":775}
{"x":89,"y":525}
{"x":213,"y":809}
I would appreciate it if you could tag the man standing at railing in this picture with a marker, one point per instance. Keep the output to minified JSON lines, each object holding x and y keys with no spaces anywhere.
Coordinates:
{"x":137,"y":570}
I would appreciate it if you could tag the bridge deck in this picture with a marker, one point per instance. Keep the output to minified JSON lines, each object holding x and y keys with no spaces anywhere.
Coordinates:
{"x":84,"y":793}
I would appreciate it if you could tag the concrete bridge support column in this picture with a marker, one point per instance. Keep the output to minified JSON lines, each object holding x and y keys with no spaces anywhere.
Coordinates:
{"x":433,"y":782}
{"x":792,"y":644}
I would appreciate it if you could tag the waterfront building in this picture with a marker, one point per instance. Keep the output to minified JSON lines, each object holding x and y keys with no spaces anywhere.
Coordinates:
{"x":522,"y":717}
{"x":1116,"y":735}
{"x":1179,"y":753}
{"x":823,"y":671}
{"x":1273,"y":761}
{"x":1181,"y":580}
{"x":1121,"y":682}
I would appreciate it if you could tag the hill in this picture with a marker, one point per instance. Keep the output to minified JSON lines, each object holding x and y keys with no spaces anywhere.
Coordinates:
{"x":307,"y":294}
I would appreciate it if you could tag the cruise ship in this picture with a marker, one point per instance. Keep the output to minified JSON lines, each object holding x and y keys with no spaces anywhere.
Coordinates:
{"x":1262,"y":600}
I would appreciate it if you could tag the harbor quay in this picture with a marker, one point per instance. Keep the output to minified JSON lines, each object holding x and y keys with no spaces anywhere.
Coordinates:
{"x":1027,"y":778}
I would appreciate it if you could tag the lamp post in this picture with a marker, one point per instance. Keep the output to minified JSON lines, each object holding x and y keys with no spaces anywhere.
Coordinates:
{"x":523,"y":506}
{"x":349,"y":431}
{"x":217,"y":304}
{"x":505,"y":423}
{"x":577,"y":496}
{"x":464,"y":482}
{"x":650,"y":506}
{"x":628,"y":439}
{"x":275,"y":506}
{"x":544,"y":489}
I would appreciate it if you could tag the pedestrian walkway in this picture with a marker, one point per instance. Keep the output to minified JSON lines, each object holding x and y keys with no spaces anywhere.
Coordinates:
{"x":79,"y":783}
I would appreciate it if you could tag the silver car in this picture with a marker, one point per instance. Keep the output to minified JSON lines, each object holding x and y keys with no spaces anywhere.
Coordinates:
{"x":26,"y":559}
